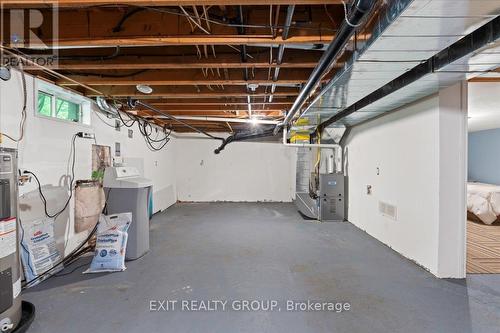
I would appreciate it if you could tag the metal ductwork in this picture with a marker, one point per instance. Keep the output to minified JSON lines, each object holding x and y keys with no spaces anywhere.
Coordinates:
{"x":357,"y":13}
{"x":458,"y":62}
{"x":403,"y":37}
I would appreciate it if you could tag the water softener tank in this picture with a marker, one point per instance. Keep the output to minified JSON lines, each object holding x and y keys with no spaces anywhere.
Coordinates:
{"x":10,"y":276}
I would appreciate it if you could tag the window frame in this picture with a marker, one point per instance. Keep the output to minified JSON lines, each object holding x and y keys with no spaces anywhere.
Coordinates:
{"x":84,"y":105}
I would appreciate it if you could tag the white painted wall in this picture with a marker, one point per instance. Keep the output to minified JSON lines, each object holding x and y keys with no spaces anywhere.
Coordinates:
{"x":243,"y":171}
{"x":46,"y":146}
{"x":483,"y":105}
{"x":420,"y":153}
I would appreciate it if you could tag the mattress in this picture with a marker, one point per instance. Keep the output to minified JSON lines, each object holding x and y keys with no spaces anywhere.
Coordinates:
{"x":483,"y":200}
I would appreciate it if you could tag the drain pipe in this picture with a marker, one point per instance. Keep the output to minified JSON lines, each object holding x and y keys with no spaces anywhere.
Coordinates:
{"x":357,"y":13}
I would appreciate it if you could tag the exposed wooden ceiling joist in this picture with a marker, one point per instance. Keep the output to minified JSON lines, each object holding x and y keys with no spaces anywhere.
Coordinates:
{"x":280,"y":104}
{"x":188,"y":77}
{"x":82,"y":3}
{"x":188,"y":92}
{"x":199,"y":61}
{"x":296,"y":59}
{"x":179,"y":40}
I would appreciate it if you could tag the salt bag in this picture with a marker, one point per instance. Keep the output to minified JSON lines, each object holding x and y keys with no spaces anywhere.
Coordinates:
{"x":39,"y":251}
{"x":111,"y":243}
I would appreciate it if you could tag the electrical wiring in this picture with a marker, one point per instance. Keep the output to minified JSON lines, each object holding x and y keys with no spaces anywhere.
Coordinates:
{"x":78,"y":251}
{"x":101,"y":75}
{"x":346,"y":14}
{"x":68,"y":260}
{"x":73,"y":270}
{"x":233,"y":25}
{"x":124,"y":122}
{"x":104,"y":121}
{"x":42,"y":196}
{"x":150,"y":142}
{"x":23,"y":110}
{"x":28,"y":263}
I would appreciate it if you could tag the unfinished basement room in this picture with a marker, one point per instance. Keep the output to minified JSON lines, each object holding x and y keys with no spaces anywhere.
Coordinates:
{"x":250,"y":166}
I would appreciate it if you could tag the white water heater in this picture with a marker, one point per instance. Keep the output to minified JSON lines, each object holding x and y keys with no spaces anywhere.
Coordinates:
{"x":10,"y":273}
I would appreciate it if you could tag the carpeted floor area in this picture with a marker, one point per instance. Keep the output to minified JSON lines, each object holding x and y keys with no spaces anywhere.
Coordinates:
{"x":483,"y":247}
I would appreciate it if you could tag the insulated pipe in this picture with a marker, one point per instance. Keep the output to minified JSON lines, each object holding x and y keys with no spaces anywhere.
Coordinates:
{"x":133,"y":103}
{"x":242,"y":137}
{"x":357,"y":12}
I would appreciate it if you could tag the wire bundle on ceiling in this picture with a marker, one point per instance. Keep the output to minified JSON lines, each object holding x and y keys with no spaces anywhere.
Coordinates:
{"x":154,"y":142}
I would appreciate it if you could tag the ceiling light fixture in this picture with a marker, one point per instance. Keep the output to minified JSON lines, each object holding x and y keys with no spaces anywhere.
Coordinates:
{"x":144,"y":88}
{"x":253,"y":86}
{"x":5,"y":73}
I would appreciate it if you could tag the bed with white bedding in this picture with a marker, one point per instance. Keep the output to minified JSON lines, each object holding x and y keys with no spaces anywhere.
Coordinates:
{"x":483,"y":201}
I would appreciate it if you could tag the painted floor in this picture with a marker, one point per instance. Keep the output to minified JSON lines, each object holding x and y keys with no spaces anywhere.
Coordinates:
{"x":264,"y":251}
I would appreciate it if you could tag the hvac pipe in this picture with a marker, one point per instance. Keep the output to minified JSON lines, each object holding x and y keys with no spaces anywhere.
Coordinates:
{"x":242,"y":137}
{"x":487,"y":34}
{"x":357,"y":13}
{"x":133,"y":103}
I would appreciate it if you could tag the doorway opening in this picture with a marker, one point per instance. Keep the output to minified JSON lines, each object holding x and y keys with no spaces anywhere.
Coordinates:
{"x":483,"y":185}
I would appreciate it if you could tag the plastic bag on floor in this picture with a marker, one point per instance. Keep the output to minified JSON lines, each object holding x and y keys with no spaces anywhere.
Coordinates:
{"x":111,"y":243}
{"x":39,"y":252}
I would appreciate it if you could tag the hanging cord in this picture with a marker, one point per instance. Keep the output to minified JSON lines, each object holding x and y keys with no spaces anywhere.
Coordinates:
{"x":42,"y":196}
{"x":23,"y":111}
{"x":346,"y":14}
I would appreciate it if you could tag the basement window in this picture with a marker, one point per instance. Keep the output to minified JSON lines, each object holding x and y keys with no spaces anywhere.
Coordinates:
{"x":59,"y":104}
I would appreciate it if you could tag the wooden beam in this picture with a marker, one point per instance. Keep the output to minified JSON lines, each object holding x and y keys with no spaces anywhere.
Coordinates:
{"x":211,"y":108}
{"x":189,"y":77}
{"x":190,"y":92}
{"x":81,"y":3}
{"x":271,"y":113}
{"x":282,"y":104}
{"x":293,"y":60}
{"x":96,"y":26}
{"x":485,"y":79}
{"x":179,"y":40}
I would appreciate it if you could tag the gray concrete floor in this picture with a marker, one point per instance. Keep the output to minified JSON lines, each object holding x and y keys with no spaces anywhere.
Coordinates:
{"x":227,"y":251}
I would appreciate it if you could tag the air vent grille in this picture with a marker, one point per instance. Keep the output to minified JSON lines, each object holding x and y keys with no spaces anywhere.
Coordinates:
{"x":388,"y":210}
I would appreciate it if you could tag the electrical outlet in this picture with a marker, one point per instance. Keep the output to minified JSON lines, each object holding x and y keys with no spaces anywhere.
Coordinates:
{"x":85,"y":135}
{"x":368,"y":189}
